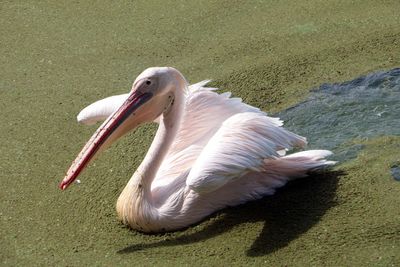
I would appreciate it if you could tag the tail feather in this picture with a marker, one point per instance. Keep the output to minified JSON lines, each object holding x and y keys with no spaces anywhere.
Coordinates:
{"x":311,"y":154}
{"x":299,"y":164}
{"x":275,"y":174}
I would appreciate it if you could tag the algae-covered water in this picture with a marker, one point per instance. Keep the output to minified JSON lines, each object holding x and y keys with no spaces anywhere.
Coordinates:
{"x":57,"y":57}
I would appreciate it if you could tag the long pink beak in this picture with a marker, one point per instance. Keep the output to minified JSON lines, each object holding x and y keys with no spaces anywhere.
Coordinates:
{"x":133,"y":102}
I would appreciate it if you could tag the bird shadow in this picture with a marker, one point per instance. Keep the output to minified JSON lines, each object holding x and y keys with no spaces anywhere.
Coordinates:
{"x":286,"y":215}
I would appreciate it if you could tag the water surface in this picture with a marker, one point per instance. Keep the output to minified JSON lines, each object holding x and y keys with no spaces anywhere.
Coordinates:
{"x":395,"y":171}
{"x":340,"y":116}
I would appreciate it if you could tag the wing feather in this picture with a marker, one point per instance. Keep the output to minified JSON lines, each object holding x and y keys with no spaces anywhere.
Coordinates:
{"x":205,"y":111}
{"x":204,"y":114}
{"x":241,"y":145}
{"x":101,"y":109}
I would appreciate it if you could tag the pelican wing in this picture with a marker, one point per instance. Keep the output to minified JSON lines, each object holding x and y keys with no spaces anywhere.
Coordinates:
{"x":101,"y":109}
{"x":205,"y":112}
{"x":240,"y":145}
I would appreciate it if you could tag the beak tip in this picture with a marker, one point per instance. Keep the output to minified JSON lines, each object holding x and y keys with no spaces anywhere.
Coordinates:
{"x":63,"y":185}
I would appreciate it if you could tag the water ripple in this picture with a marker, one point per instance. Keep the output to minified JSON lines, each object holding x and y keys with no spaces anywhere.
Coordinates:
{"x":339,"y":116}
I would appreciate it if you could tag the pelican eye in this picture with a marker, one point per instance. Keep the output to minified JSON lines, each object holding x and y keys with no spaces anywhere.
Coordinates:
{"x":148,"y":82}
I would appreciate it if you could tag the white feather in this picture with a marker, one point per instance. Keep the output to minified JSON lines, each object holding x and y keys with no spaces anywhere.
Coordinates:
{"x":101,"y":109}
{"x":212,"y":123}
{"x":241,"y":145}
{"x":205,"y":112}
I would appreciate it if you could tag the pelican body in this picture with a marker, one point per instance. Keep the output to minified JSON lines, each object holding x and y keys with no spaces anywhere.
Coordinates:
{"x":210,"y":151}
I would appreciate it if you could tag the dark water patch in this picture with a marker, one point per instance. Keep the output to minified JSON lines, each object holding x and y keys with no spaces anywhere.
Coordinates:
{"x":340,"y":116}
{"x":395,"y":171}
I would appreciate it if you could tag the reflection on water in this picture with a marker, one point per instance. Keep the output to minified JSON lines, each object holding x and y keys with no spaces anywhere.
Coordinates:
{"x":339,"y":116}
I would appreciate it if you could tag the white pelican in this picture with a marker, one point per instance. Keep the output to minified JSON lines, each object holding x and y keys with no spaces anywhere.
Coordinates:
{"x":210,"y":151}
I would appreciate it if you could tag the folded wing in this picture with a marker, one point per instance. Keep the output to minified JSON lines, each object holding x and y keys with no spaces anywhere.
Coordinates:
{"x":101,"y":109}
{"x":240,"y":146}
{"x":205,"y":113}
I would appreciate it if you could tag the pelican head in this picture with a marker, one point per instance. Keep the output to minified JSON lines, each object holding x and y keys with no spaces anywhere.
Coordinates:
{"x":152,"y":94}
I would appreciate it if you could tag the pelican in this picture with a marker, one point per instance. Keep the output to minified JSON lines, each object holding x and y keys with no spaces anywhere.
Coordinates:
{"x":210,"y":151}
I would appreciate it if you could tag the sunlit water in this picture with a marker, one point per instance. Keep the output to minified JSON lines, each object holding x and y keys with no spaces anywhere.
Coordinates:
{"x":339,"y":116}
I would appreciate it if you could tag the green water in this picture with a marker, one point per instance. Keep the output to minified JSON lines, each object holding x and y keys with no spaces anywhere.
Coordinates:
{"x":57,"y":57}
